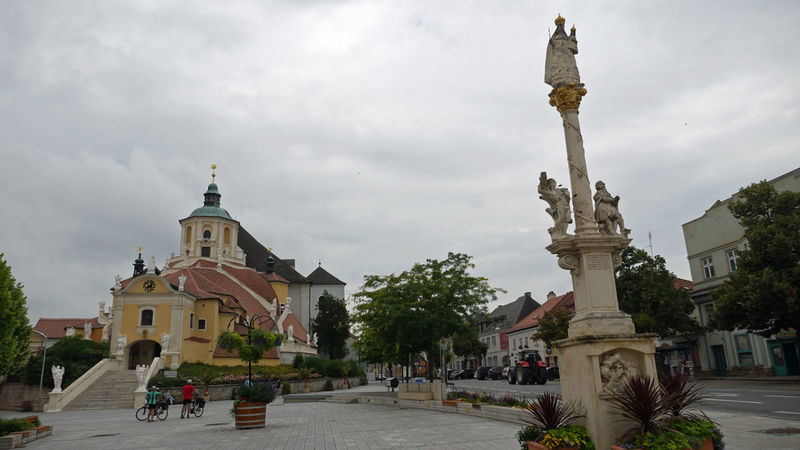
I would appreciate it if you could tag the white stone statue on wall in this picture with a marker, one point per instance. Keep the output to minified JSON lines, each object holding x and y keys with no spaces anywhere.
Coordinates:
{"x":606,"y":212}
{"x":560,"y":68}
{"x":151,"y":266}
{"x":558,"y":198}
{"x":102,"y":306}
{"x":290,"y":333}
{"x":58,"y":375}
{"x":314,"y":340}
{"x":614,"y":370}
{"x":141,"y":376}
{"x":122,"y":342}
{"x":87,"y":330}
{"x":70,"y":331}
{"x":164,"y":341}
{"x":181,"y":281}
{"x":117,"y":283}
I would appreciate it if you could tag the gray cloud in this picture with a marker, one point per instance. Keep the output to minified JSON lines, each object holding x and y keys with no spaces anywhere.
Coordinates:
{"x":371,"y":135}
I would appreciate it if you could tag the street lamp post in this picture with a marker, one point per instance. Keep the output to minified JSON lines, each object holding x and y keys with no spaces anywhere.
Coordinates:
{"x":250,"y":323}
{"x":44,"y":358}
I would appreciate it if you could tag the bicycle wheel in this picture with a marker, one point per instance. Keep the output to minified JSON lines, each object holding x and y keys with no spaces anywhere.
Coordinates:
{"x":141,"y":414}
{"x":162,"y":413}
{"x":198,"y":410}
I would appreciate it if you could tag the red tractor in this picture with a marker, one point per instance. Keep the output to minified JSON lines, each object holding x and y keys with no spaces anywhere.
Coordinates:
{"x":530,"y":369}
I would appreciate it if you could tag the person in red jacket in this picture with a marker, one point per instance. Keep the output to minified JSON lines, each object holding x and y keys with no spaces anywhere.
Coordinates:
{"x":188,"y":393}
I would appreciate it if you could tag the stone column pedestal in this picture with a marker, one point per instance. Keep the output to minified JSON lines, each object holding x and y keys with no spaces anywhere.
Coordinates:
{"x":582,"y":360}
{"x":53,"y":402}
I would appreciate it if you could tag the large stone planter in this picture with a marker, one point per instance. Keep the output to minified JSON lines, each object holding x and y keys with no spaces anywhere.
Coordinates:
{"x":708,"y":444}
{"x":250,"y":415}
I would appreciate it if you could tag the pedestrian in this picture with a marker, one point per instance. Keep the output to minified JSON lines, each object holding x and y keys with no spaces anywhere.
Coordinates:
{"x":152,"y":401}
{"x":188,"y":393}
{"x":169,"y":398}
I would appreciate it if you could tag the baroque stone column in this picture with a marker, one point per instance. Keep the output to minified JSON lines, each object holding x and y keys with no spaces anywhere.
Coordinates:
{"x":602,"y":348}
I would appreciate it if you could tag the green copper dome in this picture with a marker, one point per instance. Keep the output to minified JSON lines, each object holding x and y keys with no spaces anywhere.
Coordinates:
{"x":211,"y":204}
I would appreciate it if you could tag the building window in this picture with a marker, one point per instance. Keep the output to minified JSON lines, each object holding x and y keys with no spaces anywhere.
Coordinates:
{"x":526,"y":341}
{"x":226,"y":236}
{"x":201,"y":324}
{"x":205,"y":251}
{"x":146,"y":318}
{"x":515,"y":344}
{"x":494,"y":341}
{"x":191,"y":321}
{"x":207,"y":234}
{"x":708,"y":267}
{"x":743,"y":349}
{"x":188,"y":234}
{"x":733,"y":256}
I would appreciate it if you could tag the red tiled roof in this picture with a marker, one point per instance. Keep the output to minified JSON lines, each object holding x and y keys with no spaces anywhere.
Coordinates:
{"x":56,"y":328}
{"x":204,"y":281}
{"x":532,"y":319}
{"x":273,"y":277}
{"x":298,"y":330}
{"x":685,"y":284}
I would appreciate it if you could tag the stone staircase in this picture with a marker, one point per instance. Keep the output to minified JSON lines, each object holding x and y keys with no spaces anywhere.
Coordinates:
{"x":114,"y":389}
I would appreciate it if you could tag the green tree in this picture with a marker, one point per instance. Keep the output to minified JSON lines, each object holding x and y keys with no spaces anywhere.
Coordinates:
{"x":15,"y":331}
{"x":74,"y":353}
{"x":761,"y":295}
{"x":332,"y":326}
{"x":647,"y":291}
{"x":553,"y":326}
{"x":466,"y":343}
{"x":402,"y":315}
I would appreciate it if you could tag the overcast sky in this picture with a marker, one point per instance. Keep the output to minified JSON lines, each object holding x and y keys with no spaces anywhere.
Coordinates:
{"x":372,"y":135}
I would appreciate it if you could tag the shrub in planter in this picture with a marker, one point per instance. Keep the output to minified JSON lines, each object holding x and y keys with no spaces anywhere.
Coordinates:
{"x":659,"y":416}
{"x":549,"y":424}
{"x":286,"y":389}
{"x":328,"y":385}
{"x":250,"y":406}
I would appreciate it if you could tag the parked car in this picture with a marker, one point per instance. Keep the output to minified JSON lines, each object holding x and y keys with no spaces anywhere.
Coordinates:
{"x":482,"y":373}
{"x":451,"y":372}
{"x":496,"y":372}
{"x":505,"y":372}
{"x":464,"y":374}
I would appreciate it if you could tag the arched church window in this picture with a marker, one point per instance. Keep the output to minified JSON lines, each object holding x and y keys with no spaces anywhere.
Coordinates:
{"x":226,"y":236}
{"x":207,"y":234}
{"x":188,"y":234}
{"x":147,"y":317}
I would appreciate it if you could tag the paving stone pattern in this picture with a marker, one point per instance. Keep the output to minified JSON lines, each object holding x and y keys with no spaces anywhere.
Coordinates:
{"x":317,"y":425}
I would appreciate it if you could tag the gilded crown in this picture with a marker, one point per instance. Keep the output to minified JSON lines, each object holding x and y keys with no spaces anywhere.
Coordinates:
{"x":560,"y":20}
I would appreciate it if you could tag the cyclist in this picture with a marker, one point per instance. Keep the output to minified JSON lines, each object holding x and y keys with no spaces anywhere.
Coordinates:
{"x":188,"y":393}
{"x":152,"y":401}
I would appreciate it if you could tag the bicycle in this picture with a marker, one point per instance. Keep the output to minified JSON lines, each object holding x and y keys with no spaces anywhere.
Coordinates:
{"x":162,"y":411}
{"x":197,"y":407}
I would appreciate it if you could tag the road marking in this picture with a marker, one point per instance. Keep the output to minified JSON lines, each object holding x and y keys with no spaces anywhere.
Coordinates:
{"x":782,"y":396}
{"x":733,"y":401}
{"x":787,"y":412}
{"x":726,"y":395}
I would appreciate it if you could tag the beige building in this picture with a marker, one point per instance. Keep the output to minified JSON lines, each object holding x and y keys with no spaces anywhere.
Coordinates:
{"x":713,"y":242}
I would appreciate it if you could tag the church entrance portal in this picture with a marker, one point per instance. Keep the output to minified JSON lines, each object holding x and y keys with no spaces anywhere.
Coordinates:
{"x":143,"y":352}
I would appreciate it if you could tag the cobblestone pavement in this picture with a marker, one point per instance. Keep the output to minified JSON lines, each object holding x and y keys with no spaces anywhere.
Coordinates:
{"x":317,"y":425}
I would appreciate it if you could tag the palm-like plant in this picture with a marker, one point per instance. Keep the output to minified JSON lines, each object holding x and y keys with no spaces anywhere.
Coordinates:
{"x":683,"y":395}
{"x":641,"y":400}
{"x":548,"y":412}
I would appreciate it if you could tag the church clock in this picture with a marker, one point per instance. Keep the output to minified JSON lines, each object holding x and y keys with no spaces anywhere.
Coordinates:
{"x":149,"y":285}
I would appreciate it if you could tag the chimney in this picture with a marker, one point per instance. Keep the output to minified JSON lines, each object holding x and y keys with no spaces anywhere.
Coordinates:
{"x":550,"y":295}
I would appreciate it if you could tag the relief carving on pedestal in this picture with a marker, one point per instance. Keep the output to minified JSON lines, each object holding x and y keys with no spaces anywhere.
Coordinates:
{"x":614,"y":370}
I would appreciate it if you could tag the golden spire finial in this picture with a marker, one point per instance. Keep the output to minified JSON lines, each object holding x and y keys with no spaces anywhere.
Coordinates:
{"x":573,"y":28}
{"x":139,"y":248}
{"x":560,"y":20}
{"x":213,"y":175}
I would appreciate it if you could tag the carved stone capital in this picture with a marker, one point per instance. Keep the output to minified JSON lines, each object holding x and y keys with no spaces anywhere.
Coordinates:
{"x":571,"y":262}
{"x":616,"y":259}
{"x":567,"y":97}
